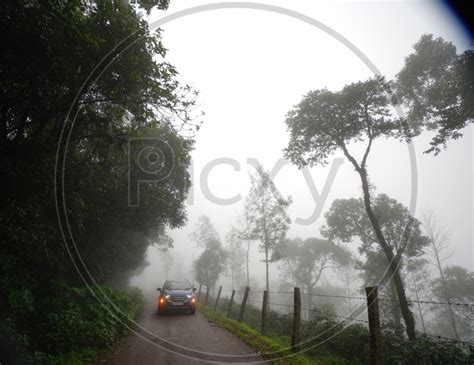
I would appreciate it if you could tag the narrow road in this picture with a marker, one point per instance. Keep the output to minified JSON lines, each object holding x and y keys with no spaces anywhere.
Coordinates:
{"x":160,"y":341}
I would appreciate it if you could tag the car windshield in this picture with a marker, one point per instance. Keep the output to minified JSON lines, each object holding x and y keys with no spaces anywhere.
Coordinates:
{"x":177,"y":285}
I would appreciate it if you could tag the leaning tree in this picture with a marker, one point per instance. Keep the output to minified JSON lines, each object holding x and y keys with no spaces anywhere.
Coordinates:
{"x":325,"y":122}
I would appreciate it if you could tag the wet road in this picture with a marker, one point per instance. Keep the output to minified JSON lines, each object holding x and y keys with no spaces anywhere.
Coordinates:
{"x":177,"y":338}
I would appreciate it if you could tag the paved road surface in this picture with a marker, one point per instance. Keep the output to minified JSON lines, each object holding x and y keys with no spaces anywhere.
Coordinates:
{"x":194,"y":332}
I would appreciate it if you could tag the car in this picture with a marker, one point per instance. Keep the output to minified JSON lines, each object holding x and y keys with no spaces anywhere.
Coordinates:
{"x":176,"y":296}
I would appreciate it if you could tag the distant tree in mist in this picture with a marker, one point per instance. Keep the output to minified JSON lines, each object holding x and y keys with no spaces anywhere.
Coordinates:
{"x":348,"y":219}
{"x":167,"y":261}
{"x":439,"y":251}
{"x":459,"y":284}
{"x":267,"y":214}
{"x":417,"y":274}
{"x":235,"y":257}
{"x":306,"y":261}
{"x":436,"y":85}
{"x":244,"y":233}
{"x":210,"y":264}
{"x":204,"y":232}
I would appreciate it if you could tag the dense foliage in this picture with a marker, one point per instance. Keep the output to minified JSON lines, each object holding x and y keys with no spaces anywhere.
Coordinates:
{"x":212,"y":262}
{"x":93,"y":72}
{"x":348,"y":343}
{"x":73,"y":327}
{"x":437,"y":86}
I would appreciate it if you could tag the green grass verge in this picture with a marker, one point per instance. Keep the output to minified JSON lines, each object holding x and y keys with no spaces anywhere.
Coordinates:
{"x":262,"y":344}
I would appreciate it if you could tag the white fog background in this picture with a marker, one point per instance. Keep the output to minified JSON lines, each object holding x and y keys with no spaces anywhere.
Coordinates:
{"x":251,"y":67}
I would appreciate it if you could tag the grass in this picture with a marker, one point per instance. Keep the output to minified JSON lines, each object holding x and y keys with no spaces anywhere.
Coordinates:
{"x":262,"y":344}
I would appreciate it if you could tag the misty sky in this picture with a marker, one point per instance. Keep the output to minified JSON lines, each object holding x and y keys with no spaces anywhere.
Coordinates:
{"x":252,"y":66}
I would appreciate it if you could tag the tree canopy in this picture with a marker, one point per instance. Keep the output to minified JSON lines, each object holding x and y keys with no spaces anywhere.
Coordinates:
{"x":347,"y":219}
{"x":326,"y":121}
{"x":305,"y":261}
{"x":437,"y":86}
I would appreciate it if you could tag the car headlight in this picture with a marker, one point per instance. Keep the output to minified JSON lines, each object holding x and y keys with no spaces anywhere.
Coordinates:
{"x":188,"y":296}
{"x":167,"y":296}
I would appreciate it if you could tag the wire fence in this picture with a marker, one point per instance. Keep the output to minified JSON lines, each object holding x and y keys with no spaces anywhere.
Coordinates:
{"x":253,"y":308}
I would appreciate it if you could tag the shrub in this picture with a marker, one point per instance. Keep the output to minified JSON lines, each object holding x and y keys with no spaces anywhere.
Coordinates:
{"x":70,"y":326}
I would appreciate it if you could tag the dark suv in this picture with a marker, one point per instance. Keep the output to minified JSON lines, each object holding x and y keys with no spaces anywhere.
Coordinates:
{"x":176,"y":295}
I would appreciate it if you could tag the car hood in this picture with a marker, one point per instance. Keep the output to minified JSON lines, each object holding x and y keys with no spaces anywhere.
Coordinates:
{"x":178,"y":292}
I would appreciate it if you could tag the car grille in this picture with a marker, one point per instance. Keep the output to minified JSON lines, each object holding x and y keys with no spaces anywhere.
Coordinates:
{"x":178,"y":298}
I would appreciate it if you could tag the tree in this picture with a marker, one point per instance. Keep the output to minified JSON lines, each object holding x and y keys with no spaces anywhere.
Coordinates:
{"x":267,"y":213}
{"x":459,"y":284}
{"x":137,"y":96}
{"x":347,"y":218}
{"x":437,"y":86}
{"x":210,"y":264}
{"x":417,"y":272}
{"x":440,"y":250}
{"x":204,"y":232}
{"x":235,"y":256}
{"x":244,"y":233}
{"x":126,"y":102}
{"x":325,"y":121}
{"x":306,"y":261}
{"x":374,"y":270}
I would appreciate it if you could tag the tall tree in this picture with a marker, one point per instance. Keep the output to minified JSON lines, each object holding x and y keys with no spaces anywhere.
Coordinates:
{"x":325,"y":121}
{"x":268,"y":215}
{"x":437,"y":86}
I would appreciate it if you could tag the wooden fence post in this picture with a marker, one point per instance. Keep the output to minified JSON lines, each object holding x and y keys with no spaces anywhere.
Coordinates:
{"x":295,"y":333}
{"x":207,"y":296}
{"x":374,"y":324}
{"x":199,"y":292}
{"x":230,"y":303}
{"x":244,"y":304}
{"x":217,"y":299}
{"x":264,"y":311}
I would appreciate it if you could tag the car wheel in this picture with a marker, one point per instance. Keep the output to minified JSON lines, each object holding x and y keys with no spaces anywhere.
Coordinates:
{"x":193,"y":311}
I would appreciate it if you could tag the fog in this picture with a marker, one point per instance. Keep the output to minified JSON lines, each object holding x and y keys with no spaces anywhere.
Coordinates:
{"x":298,"y":174}
{"x":251,"y":67}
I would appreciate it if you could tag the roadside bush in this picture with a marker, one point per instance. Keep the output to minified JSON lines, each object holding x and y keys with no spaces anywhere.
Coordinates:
{"x":72,"y":325}
{"x":337,"y":343}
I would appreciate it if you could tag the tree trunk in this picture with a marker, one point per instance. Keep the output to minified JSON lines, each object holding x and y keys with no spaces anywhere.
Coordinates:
{"x":248,"y":275}
{"x":419,"y":306}
{"x":267,"y":277}
{"x":309,"y":302}
{"x":393,"y":261}
{"x":232,"y":278}
{"x":394,"y":305}
{"x":348,"y":289}
{"x":446,"y":294}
